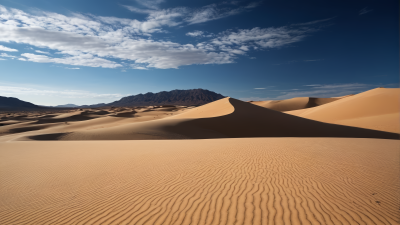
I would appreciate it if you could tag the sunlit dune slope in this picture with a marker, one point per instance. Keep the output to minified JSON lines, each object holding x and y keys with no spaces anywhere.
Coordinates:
{"x":74,"y":121}
{"x":327,"y":181}
{"x":293,"y":103}
{"x":376,"y":109}
{"x":225,"y":118}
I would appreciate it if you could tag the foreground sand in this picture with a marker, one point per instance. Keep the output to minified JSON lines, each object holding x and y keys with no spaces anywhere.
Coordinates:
{"x":215,"y":181}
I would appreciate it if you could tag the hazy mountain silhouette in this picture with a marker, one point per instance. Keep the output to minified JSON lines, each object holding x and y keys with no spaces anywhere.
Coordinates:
{"x":175,"y":97}
{"x":10,"y":103}
{"x":67,"y":106}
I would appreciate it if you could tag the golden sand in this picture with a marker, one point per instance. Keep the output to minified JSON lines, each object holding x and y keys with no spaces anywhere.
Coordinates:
{"x":226,"y":162}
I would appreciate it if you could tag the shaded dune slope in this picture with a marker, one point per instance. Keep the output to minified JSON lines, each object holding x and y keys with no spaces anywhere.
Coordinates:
{"x":376,"y":109}
{"x":294,"y":103}
{"x":225,"y":118}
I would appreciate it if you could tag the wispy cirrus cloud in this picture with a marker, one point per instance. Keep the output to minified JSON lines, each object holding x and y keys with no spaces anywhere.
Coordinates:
{"x":313,"y":22}
{"x":188,"y":15}
{"x":153,"y":4}
{"x":79,"y":60}
{"x":364,"y":11}
{"x":212,"y":12}
{"x":26,"y":91}
{"x":326,"y":91}
{"x":110,"y":42}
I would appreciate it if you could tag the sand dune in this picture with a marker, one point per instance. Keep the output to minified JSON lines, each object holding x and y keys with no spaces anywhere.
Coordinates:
{"x":253,"y":165}
{"x":376,"y":109}
{"x":294,"y":103}
{"x":224,"y":181}
{"x":225,"y":118}
{"x":91,"y":120}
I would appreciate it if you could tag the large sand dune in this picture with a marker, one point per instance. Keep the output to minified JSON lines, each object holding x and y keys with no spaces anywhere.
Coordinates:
{"x":225,"y":118}
{"x":376,"y":109}
{"x":221,"y":181}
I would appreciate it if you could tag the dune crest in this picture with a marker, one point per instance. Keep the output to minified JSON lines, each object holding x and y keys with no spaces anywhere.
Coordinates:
{"x":225,"y":118}
{"x":294,"y":103}
{"x":376,"y":109}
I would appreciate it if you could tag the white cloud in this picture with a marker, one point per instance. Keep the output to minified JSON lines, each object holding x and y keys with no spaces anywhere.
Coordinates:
{"x":7,"y":55}
{"x":198,"y":33}
{"x":110,"y":42}
{"x":18,"y":91}
{"x":6,"y":49}
{"x":42,"y":52}
{"x":74,"y":68}
{"x":80,"y":60}
{"x":245,"y":39}
{"x":138,"y":67}
{"x":364,"y":11}
{"x":195,"y":33}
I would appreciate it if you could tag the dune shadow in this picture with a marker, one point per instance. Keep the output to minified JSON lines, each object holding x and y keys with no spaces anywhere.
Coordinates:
{"x":249,"y":120}
{"x":67,"y":119}
{"x":26,"y":129}
{"x":246,"y":121}
{"x":47,"y":137}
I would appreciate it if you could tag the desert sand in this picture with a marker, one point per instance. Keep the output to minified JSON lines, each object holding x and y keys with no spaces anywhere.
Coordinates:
{"x":294,"y":103}
{"x":226,"y":162}
{"x":376,"y":109}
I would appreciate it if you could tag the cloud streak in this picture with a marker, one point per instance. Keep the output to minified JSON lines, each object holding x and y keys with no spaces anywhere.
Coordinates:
{"x":17,"y":91}
{"x":364,"y":11}
{"x":327,"y":91}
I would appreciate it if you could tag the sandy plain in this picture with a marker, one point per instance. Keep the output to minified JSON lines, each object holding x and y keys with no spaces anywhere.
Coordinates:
{"x":227,"y":162}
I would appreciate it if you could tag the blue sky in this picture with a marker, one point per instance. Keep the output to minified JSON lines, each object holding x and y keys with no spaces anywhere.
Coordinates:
{"x":95,"y":51}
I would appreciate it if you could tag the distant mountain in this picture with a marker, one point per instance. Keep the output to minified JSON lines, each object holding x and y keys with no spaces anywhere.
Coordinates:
{"x":67,"y":106}
{"x":92,"y":106}
{"x":10,"y":103}
{"x":175,"y":97}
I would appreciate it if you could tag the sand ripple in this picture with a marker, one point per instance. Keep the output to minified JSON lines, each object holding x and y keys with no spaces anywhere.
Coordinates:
{"x":225,"y":181}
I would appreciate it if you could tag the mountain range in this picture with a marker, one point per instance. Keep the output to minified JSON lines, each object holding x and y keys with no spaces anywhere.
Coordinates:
{"x":10,"y":103}
{"x":174,"y":97}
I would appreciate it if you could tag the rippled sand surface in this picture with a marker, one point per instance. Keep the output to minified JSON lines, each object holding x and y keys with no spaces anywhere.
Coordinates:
{"x":216,"y":181}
